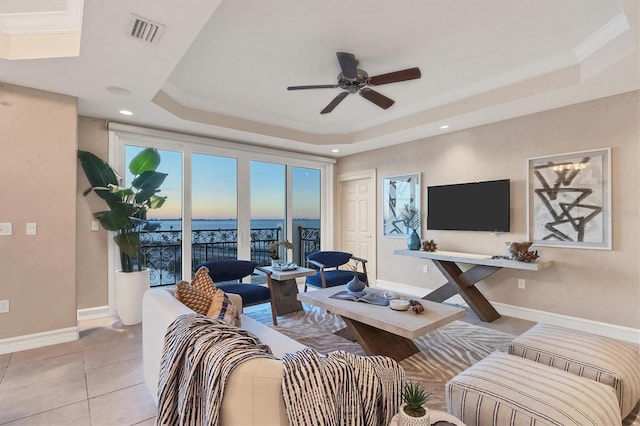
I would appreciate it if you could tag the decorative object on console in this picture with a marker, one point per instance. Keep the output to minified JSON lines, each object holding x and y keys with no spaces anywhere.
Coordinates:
{"x":413,"y":411}
{"x":411,"y":217}
{"x":398,"y":191}
{"x":570,"y":200}
{"x":522,"y":253}
{"x":429,"y":246}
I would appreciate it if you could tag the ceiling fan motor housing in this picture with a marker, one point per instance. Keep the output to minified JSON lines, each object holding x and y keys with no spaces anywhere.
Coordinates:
{"x":352,"y":85}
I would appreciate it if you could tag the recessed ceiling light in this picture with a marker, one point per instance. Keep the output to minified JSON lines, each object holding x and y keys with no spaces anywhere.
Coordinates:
{"x":444,"y":126}
{"x":335,"y":150}
{"x":125,"y":112}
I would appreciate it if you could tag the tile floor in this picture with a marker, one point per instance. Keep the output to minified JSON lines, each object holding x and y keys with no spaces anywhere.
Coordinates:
{"x":98,"y":380}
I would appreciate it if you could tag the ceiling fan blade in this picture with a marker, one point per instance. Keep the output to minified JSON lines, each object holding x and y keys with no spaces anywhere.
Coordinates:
{"x":348,"y":64}
{"x":393,"y":77}
{"x":334,"y":103}
{"x":379,"y":99}
{"x":317,"y":86}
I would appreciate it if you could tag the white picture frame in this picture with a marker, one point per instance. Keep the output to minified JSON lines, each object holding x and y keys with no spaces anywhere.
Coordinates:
{"x":396,"y":192}
{"x":569,"y":200}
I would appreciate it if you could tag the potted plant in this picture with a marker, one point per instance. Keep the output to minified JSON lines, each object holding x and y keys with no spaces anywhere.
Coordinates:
{"x":413,"y":411}
{"x":127,"y":216}
{"x":411,"y":218}
{"x":274,"y":250}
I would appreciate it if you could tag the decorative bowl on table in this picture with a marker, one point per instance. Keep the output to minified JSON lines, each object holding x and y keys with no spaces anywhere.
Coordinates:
{"x":399,"y":304}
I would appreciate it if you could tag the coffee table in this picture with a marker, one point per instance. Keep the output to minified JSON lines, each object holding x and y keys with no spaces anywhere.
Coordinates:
{"x":379,"y":329}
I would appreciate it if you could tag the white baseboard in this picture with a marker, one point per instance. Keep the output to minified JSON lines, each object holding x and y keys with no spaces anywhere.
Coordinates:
{"x":37,"y":340}
{"x":93,"y":313}
{"x":604,"y":329}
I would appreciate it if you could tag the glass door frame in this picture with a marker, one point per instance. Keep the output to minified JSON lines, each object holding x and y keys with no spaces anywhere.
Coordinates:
{"x":121,"y":135}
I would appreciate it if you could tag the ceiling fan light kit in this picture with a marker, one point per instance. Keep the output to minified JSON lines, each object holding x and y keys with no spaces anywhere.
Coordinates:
{"x":354,"y":80}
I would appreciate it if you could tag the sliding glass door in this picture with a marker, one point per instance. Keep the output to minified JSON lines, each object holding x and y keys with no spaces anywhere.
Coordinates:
{"x":305,"y":206}
{"x":226,"y":202}
{"x":268,"y":209}
{"x":160,"y":237}
{"x":214,"y":208}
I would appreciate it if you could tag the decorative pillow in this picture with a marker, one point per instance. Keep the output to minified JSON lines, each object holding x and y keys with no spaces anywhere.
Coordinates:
{"x":193,"y":298}
{"x":203,"y":282}
{"x":223,"y":309}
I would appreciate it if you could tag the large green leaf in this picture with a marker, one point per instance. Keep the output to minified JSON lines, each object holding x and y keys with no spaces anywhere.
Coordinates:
{"x":99,"y":174}
{"x":114,"y":220}
{"x":149,"y":180}
{"x":146,"y":160}
{"x":129,"y":242}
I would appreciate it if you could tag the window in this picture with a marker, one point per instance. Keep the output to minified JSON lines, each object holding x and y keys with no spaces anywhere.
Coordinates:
{"x":231,"y":200}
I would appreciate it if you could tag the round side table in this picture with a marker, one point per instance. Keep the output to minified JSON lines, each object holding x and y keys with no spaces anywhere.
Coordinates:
{"x":435,"y":416}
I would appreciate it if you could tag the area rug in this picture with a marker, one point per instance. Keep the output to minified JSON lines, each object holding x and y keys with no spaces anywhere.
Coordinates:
{"x":444,"y":352}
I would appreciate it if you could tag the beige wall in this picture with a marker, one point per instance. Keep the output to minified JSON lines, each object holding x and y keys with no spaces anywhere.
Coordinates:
{"x":593,"y":284}
{"x":92,"y":245}
{"x":37,"y":184}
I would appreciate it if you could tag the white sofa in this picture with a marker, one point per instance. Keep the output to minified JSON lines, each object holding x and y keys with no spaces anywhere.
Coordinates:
{"x":253,"y":395}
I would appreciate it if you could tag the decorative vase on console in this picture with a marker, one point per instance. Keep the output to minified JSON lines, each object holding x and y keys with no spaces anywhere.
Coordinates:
{"x":414,"y":242}
{"x":411,"y":218}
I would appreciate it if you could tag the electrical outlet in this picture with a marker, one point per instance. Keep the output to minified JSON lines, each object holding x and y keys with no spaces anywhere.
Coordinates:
{"x":425,"y":268}
{"x":94,"y":225}
{"x":4,"y":306}
{"x":6,"y":228}
{"x":521,"y":283}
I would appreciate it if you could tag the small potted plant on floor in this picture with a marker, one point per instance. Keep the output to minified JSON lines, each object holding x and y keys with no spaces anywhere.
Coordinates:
{"x":413,"y":411}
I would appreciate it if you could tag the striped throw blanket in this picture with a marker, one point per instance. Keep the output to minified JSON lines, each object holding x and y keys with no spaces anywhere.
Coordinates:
{"x":198,"y":356}
{"x":341,"y":389}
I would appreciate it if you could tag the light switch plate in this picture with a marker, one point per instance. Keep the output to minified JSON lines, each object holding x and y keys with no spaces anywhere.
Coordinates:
{"x":32,"y":228}
{"x":6,"y":228}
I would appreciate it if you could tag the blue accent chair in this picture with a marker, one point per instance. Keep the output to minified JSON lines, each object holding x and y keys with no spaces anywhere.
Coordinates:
{"x":228,"y":275}
{"x":328,"y":263}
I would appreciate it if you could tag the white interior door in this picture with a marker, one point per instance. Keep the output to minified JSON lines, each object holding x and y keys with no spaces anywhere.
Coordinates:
{"x":357,"y":230}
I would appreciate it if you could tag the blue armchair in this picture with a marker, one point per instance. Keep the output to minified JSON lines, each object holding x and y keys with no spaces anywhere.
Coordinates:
{"x":329,"y":273}
{"x":228,"y":275}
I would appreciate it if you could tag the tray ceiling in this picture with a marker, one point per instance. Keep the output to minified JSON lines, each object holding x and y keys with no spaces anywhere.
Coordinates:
{"x":221,"y":69}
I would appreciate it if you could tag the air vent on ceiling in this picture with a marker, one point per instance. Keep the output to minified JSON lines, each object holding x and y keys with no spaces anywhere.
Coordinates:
{"x":145,"y":29}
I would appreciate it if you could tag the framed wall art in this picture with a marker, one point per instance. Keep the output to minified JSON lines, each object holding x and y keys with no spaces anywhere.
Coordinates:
{"x":398,"y":191}
{"x":569,"y":200}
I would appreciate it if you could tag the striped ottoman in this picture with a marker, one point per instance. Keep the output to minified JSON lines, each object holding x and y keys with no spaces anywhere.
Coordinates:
{"x":598,"y":358}
{"x":503,"y":389}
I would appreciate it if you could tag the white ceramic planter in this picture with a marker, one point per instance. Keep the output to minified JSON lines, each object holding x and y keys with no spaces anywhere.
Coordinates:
{"x":406,"y":420}
{"x":130,"y":287}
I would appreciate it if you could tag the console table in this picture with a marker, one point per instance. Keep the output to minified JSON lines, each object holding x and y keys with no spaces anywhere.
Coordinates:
{"x":464,"y":283}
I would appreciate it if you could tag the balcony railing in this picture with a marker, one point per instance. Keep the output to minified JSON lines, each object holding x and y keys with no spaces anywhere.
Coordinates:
{"x":162,"y":250}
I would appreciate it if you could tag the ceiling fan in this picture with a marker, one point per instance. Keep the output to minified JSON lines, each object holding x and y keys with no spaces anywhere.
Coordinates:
{"x":354,"y":80}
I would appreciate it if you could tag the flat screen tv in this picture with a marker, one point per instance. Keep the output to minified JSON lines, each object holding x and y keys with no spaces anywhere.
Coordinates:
{"x":474,"y":206}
